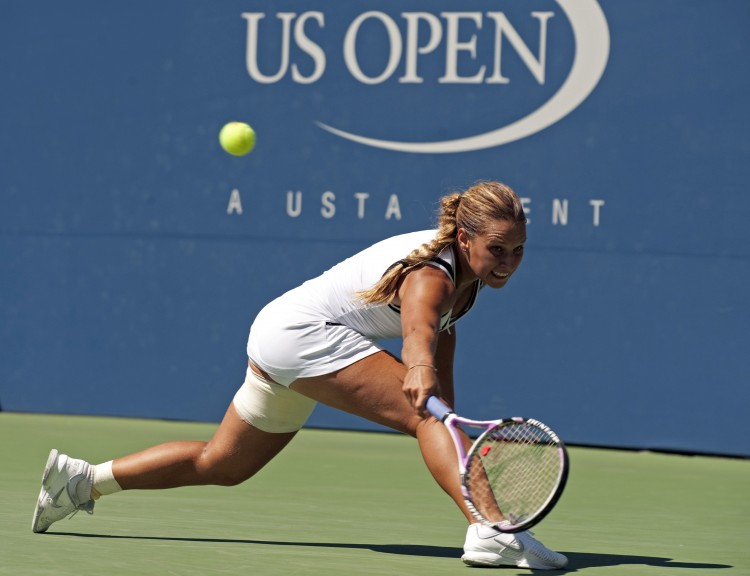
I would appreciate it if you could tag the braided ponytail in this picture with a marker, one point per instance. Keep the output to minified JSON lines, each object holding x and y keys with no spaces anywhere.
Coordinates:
{"x":472,"y":210}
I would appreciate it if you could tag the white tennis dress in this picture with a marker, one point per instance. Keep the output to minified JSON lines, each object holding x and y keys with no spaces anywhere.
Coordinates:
{"x":322,"y":326}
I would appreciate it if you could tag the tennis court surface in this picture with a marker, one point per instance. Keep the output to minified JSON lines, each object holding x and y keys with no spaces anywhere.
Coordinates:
{"x":338,"y":503}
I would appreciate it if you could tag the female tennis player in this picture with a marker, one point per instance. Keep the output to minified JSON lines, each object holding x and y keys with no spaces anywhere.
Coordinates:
{"x":318,"y":343}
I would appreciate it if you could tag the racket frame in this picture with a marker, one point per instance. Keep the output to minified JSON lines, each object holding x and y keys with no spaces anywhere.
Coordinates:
{"x":453,"y":423}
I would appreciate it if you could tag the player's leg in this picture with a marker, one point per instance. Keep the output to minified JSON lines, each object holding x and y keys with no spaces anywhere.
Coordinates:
{"x":371,"y":388}
{"x":260,"y":422}
{"x":236,"y":452}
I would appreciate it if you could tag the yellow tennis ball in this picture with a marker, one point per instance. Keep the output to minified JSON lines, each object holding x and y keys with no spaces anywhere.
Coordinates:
{"x":237,"y":138}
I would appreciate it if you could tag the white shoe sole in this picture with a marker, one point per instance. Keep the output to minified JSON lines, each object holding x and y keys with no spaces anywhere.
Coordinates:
{"x":51,"y":459}
{"x":493,"y":560}
{"x":488,"y":559}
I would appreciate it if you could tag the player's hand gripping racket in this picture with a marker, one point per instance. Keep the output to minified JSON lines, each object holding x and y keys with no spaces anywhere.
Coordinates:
{"x":514,"y":472}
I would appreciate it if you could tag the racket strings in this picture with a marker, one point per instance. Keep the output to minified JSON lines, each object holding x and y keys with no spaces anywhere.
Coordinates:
{"x":513,"y":472}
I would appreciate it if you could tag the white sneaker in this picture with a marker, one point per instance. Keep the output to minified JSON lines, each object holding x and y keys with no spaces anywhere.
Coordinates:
{"x":66,"y":488}
{"x":487,"y":546}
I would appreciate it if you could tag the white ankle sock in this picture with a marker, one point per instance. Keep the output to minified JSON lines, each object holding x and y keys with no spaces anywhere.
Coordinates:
{"x":104,"y":480}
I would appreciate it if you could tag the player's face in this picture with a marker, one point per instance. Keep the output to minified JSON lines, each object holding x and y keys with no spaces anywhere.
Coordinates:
{"x":494,"y":256}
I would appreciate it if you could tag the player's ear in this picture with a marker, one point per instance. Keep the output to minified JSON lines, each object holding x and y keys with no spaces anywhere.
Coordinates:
{"x":462,"y":240}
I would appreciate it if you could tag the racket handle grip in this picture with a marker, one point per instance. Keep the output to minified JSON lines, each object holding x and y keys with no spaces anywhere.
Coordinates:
{"x":437,"y":408}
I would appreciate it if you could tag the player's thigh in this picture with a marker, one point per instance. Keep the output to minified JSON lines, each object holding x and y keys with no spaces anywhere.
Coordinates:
{"x":238,"y":450}
{"x":370,"y":388}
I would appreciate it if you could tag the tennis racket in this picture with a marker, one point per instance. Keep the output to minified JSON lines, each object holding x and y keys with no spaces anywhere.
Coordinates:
{"x":513,"y":474}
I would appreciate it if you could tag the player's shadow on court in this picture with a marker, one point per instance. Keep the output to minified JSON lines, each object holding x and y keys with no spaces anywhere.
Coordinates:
{"x":404,"y":549}
{"x":576,"y":560}
{"x":581,"y":560}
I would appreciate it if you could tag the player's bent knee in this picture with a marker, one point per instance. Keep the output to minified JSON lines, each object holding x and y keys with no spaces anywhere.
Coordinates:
{"x":426,"y":424}
{"x":413,"y":426}
{"x":221,"y":469}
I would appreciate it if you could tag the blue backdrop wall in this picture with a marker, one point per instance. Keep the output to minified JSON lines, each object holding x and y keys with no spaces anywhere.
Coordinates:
{"x":134,"y":252}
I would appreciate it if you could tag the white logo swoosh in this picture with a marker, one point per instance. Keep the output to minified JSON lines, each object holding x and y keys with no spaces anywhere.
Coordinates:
{"x":591,"y":34}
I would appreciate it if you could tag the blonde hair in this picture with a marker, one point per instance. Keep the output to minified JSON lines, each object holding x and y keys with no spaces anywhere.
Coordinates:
{"x":473,"y":210}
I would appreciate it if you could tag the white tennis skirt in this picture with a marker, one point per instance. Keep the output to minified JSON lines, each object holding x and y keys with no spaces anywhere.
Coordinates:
{"x":287,"y":347}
